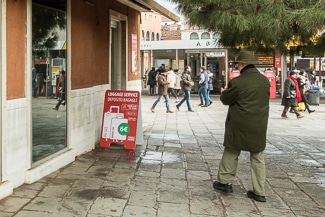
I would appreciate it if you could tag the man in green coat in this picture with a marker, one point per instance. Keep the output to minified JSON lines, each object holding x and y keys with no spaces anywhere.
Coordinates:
{"x":246,"y":124}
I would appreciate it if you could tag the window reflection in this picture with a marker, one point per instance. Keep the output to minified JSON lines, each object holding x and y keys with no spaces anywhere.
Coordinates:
{"x":48,"y":88}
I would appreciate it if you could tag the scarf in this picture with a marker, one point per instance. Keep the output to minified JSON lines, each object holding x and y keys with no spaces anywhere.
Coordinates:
{"x":298,"y":95}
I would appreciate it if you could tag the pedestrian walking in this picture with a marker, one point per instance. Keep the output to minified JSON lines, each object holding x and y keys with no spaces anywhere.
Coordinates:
{"x":34,"y":79}
{"x":291,"y":95}
{"x":152,"y":81}
{"x":39,"y":84}
{"x":210,"y":86}
{"x":61,"y":90}
{"x":177,"y":87}
{"x":302,"y":80}
{"x":171,"y":78}
{"x":162,"y":91}
{"x":203,"y":90}
{"x":246,"y":125}
{"x":186,"y":84}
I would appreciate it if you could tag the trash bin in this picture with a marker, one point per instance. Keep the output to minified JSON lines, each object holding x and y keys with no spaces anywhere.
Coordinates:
{"x":313,"y":97}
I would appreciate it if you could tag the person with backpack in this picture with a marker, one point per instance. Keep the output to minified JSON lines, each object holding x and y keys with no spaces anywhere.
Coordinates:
{"x":186,"y":84}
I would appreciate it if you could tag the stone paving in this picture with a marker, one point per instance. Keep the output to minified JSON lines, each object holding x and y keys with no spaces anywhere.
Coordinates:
{"x":171,"y":174}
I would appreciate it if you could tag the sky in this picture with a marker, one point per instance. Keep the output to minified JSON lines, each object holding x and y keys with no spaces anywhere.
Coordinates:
{"x":168,"y":5}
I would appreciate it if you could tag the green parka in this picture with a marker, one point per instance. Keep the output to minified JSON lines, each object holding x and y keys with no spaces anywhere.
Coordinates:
{"x":248,"y":99}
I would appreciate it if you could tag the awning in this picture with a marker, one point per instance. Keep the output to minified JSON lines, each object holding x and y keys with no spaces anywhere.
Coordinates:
{"x":147,"y":5}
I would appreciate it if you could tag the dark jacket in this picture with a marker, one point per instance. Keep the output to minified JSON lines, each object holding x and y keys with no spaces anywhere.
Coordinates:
{"x":152,"y":77}
{"x":289,"y":90}
{"x":248,"y":99}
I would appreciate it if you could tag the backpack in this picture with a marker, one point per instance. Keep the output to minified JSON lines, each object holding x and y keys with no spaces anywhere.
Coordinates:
{"x":182,"y":81}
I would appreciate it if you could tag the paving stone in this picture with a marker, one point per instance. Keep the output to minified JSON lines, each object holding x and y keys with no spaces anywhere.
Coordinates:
{"x":109,"y":206}
{"x":173,"y":196}
{"x":12,"y":204}
{"x":173,"y":210}
{"x":143,"y":198}
{"x":58,"y":191}
{"x":43,"y":204}
{"x":141,"y":211}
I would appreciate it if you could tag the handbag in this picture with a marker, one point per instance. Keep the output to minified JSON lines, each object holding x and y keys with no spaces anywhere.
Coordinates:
{"x":301,"y":106}
{"x":292,"y":94}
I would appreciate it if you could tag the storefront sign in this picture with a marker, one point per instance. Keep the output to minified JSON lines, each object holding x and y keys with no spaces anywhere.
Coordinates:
{"x":120,"y":118}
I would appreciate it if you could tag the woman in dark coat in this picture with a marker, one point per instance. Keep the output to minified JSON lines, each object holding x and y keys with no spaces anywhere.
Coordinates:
{"x":302,"y":82}
{"x":152,"y":81}
{"x":291,"y":95}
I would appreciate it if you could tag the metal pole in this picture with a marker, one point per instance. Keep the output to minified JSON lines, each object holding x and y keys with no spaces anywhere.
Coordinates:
{"x":226,"y":68}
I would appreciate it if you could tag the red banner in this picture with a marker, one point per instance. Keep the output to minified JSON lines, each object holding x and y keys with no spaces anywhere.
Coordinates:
{"x":120,"y":118}
{"x":277,"y":60}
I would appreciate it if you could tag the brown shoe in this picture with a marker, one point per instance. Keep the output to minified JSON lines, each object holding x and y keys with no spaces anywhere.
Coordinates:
{"x":204,"y":105}
{"x":200,"y":104}
{"x":169,"y":111}
{"x":300,"y":116}
{"x":284,"y":116}
{"x":190,"y":110}
{"x":152,"y":110}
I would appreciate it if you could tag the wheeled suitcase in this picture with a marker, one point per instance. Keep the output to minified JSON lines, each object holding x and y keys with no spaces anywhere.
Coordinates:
{"x":313,"y":97}
{"x":108,"y":117}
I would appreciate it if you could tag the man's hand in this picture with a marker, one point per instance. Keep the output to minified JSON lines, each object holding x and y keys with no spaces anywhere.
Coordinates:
{"x":222,"y":89}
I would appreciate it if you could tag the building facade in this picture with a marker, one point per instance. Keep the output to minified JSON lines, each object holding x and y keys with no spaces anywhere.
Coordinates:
{"x":99,"y":51}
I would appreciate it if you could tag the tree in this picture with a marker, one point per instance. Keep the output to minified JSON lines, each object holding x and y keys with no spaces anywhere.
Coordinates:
{"x":261,"y":25}
{"x":45,"y":23}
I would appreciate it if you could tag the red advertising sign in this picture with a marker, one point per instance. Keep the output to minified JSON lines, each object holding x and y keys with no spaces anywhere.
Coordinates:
{"x":277,"y":60}
{"x":134,"y":54}
{"x":120,"y":118}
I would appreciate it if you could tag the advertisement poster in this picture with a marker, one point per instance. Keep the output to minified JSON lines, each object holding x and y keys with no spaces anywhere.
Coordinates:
{"x":277,"y":60}
{"x":134,"y":54}
{"x":120,"y":118}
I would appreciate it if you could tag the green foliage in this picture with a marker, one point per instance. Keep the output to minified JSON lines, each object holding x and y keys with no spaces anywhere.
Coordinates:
{"x":45,"y":23}
{"x":260,"y":25}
